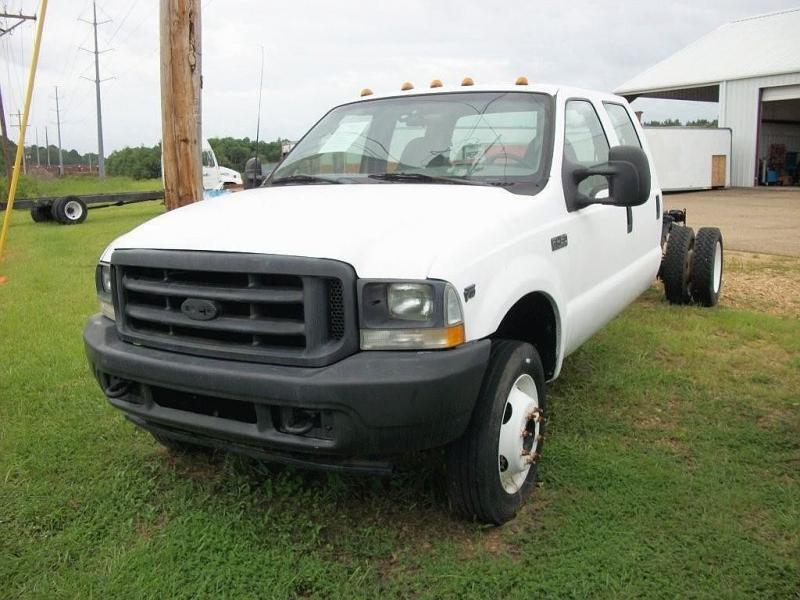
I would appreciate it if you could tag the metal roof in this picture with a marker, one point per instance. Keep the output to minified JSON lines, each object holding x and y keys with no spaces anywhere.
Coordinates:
{"x":753,"y":47}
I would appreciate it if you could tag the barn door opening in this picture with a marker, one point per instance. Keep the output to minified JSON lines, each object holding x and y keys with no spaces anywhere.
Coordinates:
{"x":779,"y":136}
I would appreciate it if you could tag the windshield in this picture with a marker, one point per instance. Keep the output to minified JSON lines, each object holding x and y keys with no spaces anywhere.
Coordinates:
{"x":490,"y":138}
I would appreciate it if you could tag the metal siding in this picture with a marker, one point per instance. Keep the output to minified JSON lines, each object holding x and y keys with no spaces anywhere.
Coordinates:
{"x":739,"y":110}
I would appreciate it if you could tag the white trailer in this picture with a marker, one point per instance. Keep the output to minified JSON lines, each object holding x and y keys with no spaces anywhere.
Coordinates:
{"x":690,"y":158}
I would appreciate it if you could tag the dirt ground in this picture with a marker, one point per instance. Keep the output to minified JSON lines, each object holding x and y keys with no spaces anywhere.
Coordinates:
{"x":765,"y":220}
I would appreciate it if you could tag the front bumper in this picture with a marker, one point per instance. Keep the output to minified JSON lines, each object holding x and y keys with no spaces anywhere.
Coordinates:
{"x":368,"y":406}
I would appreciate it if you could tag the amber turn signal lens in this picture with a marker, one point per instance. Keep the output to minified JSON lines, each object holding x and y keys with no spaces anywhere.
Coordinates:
{"x":467,"y":81}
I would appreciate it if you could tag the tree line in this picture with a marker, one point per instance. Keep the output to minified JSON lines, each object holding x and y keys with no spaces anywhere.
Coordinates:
{"x":677,"y":123}
{"x":70,"y":157}
{"x":144,"y":162}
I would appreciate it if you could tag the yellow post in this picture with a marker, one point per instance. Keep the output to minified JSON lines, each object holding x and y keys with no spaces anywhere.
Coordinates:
{"x":12,"y":191}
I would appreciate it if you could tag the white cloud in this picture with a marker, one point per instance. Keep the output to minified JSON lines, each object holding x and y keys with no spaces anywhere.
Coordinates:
{"x":322,"y":53}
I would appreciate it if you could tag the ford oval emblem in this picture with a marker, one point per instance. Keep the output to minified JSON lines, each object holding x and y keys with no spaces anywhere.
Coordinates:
{"x":200,"y":309}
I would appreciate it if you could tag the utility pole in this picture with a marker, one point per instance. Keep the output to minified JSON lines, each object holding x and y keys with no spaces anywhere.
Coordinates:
{"x":180,"y":101}
{"x":101,"y":161}
{"x":58,"y":124}
{"x":38,"y":162}
{"x":4,"y":132}
{"x":20,"y":19}
{"x":47,"y":143}
{"x":18,"y":125}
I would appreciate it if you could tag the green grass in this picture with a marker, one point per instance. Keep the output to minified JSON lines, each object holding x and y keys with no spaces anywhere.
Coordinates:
{"x":34,"y":187}
{"x":671,"y":469}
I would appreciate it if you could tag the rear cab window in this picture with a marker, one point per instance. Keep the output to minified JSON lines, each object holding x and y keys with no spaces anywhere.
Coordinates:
{"x":623,"y":125}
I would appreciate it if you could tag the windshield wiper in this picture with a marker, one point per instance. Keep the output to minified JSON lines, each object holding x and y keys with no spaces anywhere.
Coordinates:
{"x":425,"y":178}
{"x":303,"y":179}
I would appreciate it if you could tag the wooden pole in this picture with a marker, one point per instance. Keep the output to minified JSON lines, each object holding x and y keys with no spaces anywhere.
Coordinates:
{"x":180,"y":102}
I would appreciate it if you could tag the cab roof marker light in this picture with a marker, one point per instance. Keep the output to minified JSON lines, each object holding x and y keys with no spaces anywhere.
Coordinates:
{"x":366,"y":92}
{"x":407,"y":86}
{"x":521,"y":80}
{"x":436,"y":83}
{"x":467,"y":81}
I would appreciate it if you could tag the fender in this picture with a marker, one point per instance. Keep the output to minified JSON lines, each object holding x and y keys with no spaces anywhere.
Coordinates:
{"x":502,"y":289}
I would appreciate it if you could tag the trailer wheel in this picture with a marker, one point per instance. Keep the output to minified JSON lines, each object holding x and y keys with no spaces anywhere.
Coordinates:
{"x":707,"y":266}
{"x":70,"y":210}
{"x":40,"y":213}
{"x":676,"y":267}
{"x":492,"y":468}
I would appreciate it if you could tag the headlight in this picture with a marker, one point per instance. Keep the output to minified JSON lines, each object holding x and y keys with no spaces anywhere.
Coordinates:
{"x":410,"y":301}
{"x":103,"y":278}
{"x":410,"y":315}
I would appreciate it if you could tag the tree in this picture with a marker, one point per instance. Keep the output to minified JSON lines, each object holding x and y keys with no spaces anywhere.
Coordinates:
{"x":665,"y":123}
{"x":702,"y":123}
{"x":234,"y":152}
{"x":140,"y":163}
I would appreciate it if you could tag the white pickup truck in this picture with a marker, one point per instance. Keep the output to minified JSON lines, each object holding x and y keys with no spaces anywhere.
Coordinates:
{"x":409,"y":277}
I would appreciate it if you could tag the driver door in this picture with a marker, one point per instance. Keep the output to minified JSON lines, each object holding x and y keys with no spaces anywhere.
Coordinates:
{"x":596,"y":234}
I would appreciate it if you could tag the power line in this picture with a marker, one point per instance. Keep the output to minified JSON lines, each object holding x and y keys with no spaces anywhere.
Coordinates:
{"x":122,"y":22}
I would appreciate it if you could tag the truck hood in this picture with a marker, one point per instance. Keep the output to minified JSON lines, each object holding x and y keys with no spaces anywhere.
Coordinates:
{"x":382,"y":230}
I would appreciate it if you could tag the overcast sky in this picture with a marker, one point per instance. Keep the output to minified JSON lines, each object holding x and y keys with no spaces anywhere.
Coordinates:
{"x":321,"y":53}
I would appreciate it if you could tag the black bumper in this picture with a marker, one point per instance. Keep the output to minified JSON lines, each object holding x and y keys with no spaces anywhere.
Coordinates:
{"x":368,"y":406}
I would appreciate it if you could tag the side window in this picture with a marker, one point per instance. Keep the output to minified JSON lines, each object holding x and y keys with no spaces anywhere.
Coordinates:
{"x":621,"y":119}
{"x":585,"y":143}
{"x":208,"y":158}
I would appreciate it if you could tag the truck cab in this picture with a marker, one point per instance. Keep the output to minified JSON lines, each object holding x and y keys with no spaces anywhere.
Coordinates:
{"x":409,"y":277}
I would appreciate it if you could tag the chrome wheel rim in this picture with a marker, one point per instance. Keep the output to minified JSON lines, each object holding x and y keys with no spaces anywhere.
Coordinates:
{"x":520,"y":434}
{"x":717,"y":267}
{"x":73,"y":210}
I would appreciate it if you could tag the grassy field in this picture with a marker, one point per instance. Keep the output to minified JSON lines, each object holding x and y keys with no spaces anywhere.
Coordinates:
{"x":33,"y":187}
{"x":672,"y":468}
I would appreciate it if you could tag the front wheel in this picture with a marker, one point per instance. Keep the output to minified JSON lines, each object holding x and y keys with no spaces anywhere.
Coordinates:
{"x":492,"y":468}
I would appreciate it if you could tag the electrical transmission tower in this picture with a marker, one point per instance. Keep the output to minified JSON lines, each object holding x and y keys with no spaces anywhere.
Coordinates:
{"x":58,"y":125}
{"x":101,"y":161}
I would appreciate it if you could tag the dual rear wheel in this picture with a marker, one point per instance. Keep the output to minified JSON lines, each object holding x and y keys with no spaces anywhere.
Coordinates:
{"x":70,"y":210}
{"x":692,"y":266}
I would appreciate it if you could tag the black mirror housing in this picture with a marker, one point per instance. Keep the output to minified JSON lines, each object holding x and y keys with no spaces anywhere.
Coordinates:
{"x":628,"y":174}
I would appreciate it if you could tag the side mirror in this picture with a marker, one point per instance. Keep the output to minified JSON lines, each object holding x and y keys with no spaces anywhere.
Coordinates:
{"x":628,"y":174}
{"x":253,"y":175}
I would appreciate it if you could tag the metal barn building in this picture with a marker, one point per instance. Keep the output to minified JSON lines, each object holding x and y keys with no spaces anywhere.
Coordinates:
{"x":751,"y":68}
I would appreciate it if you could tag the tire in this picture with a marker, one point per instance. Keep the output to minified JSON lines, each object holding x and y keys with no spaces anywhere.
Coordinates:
{"x":54,"y":208}
{"x":482,"y":482}
{"x":676,"y":268}
{"x":40,"y":213}
{"x":70,"y":210}
{"x":178,"y":447}
{"x":707,"y":263}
